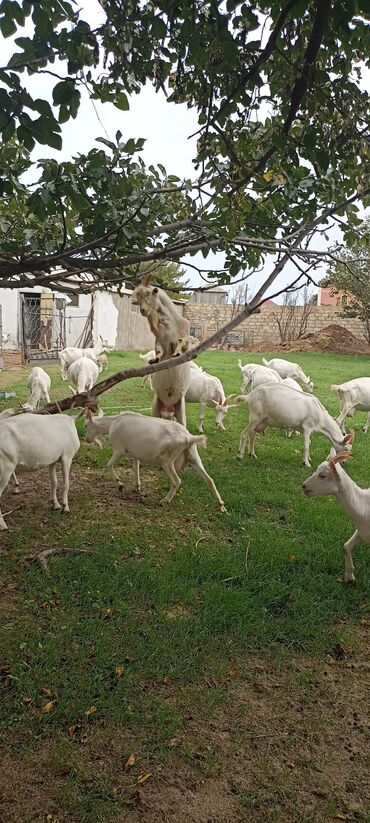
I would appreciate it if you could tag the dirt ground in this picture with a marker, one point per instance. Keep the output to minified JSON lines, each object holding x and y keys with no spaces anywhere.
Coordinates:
{"x":290,"y":743}
{"x":333,"y":338}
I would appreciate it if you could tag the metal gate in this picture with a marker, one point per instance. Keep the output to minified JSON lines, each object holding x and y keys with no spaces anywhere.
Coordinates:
{"x":43,"y":326}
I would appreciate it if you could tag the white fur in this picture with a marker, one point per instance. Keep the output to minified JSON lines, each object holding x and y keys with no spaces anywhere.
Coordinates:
{"x":285,"y":408}
{"x":330,"y":479}
{"x":207,"y":391}
{"x":150,"y":440}
{"x":170,"y":328}
{"x":150,"y":355}
{"x":83,"y":373}
{"x":39,"y":384}
{"x":354,"y":396}
{"x":288,"y":369}
{"x":33,"y":441}
{"x":72,"y":353}
{"x":170,"y":387}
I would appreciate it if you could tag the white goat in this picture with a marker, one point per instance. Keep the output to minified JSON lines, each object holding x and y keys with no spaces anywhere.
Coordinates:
{"x":247,"y":370}
{"x":330,"y":479}
{"x":288,"y":369}
{"x":3,"y":415}
{"x":260,"y":376}
{"x":5,"y":338}
{"x":102,"y":362}
{"x":72,"y":353}
{"x":83,"y":373}
{"x":170,"y":387}
{"x":292,"y":384}
{"x":207,"y":391}
{"x":157,"y":442}
{"x":31,"y":441}
{"x":354,"y":396}
{"x":39,"y":384}
{"x":285,"y":408}
{"x":149,"y":357}
{"x":171,"y":330}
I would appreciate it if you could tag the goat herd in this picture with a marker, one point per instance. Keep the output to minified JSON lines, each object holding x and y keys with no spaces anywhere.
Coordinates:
{"x":30,"y":441}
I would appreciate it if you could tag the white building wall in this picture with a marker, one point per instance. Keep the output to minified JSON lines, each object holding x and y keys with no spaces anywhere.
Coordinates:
{"x":76,"y":317}
{"x":105,"y":317}
{"x":9,"y":301}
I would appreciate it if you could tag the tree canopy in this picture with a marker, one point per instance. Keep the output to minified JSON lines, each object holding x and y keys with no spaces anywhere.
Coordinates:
{"x":283,"y":143}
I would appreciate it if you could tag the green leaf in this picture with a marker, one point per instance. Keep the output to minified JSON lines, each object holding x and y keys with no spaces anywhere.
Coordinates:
{"x":25,"y":137}
{"x":121,"y":101}
{"x":323,"y":158}
{"x":106,"y":142}
{"x":42,"y":21}
{"x":7,"y":26}
{"x":63,"y":92}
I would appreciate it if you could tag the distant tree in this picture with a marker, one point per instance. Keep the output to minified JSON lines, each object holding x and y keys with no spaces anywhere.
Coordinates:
{"x":169,"y":276}
{"x":293,"y":318}
{"x":352,"y":277}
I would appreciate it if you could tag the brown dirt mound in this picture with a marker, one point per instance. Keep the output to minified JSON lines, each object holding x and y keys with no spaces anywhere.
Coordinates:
{"x":333,"y":338}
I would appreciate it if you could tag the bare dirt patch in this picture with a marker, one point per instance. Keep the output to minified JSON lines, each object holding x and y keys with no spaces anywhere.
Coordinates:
{"x":290,"y":742}
{"x":333,"y":338}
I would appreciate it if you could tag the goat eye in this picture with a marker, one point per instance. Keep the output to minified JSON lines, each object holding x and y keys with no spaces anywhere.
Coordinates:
{"x":322,"y":476}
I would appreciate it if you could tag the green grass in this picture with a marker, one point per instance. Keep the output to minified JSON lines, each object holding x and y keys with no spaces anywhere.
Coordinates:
{"x":164,"y":593}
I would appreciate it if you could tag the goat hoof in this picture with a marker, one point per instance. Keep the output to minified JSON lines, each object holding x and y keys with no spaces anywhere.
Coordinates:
{"x":64,"y":510}
{"x":56,"y":507}
{"x":239,"y":457}
{"x":3,"y":527}
{"x":222,"y":508}
{"x":16,"y":490}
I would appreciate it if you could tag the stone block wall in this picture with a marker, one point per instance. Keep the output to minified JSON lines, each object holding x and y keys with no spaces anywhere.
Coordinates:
{"x":207,"y":319}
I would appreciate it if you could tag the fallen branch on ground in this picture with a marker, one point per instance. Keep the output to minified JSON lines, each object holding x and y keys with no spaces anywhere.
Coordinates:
{"x":42,"y":557}
{"x":6,"y":514}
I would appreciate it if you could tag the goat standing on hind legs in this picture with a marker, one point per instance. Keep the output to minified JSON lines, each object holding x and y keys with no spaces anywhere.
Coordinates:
{"x":171,"y":331}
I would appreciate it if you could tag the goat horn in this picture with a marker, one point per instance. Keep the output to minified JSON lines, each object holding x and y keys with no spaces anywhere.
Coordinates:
{"x":341,"y":456}
{"x":147,"y":277}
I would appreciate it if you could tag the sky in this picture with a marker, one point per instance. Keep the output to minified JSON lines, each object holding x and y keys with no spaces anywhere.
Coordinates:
{"x":165,"y":126}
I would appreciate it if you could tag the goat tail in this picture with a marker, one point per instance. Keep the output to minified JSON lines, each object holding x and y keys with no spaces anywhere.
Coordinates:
{"x":265,"y":362}
{"x":240,"y":398}
{"x":336,"y":388}
{"x":198,"y":440}
{"x":240,"y":364}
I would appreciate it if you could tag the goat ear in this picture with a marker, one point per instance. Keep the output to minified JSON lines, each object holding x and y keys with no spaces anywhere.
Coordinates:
{"x":349,"y":438}
{"x":147,"y":277}
{"x":331,"y":454}
{"x":333,"y":467}
{"x":89,"y":414}
{"x":214,"y":401}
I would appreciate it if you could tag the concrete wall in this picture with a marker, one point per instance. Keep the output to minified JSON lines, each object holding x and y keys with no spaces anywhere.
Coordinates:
{"x":205,"y":320}
{"x":132,"y":330}
{"x":9,"y":300}
{"x":76,"y":317}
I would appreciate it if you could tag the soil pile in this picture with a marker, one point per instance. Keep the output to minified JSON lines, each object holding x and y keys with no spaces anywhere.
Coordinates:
{"x":333,"y":338}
